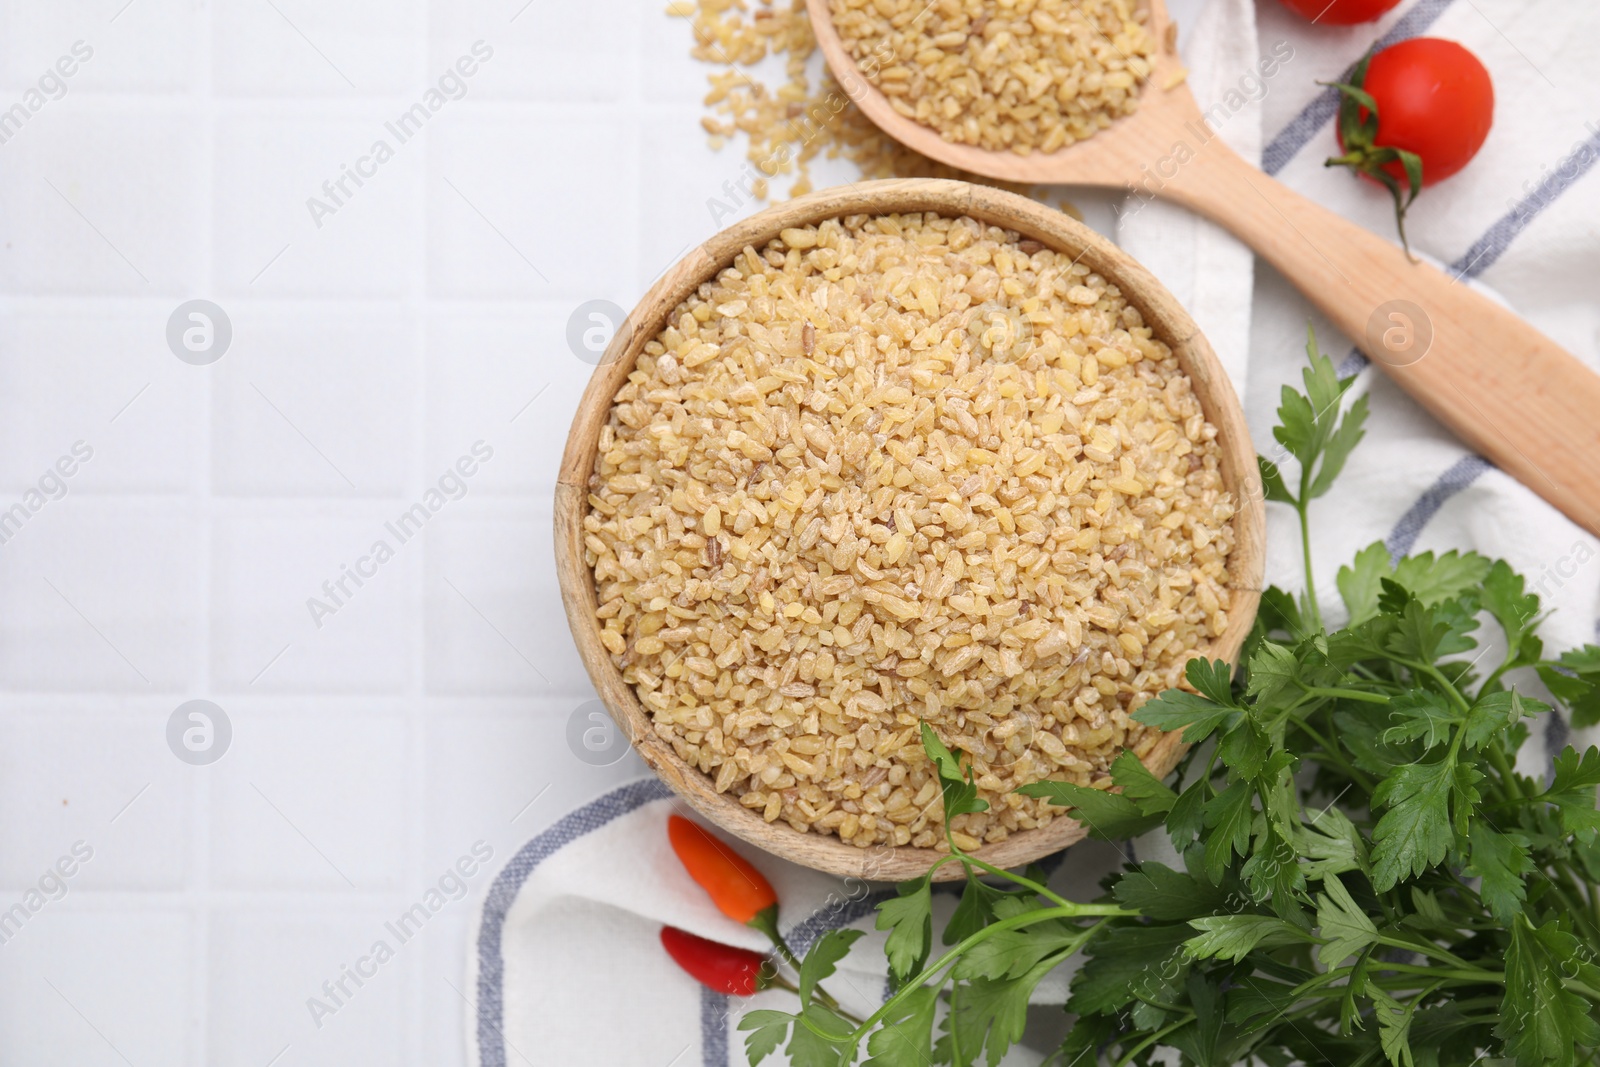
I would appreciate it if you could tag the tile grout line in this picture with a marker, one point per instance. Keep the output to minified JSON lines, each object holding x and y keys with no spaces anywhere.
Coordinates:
{"x":635,"y":111}
{"x":414,"y":800}
{"x":201,"y":797}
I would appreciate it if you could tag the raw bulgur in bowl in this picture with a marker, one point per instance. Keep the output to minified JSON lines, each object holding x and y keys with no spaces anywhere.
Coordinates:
{"x":918,"y":452}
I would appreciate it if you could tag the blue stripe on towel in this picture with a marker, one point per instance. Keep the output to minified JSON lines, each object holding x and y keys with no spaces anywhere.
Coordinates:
{"x":1321,"y":111}
{"x":714,"y":1010}
{"x":1497,"y":238}
{"x":820,"y":922}
{"x":503,"y":892}
{"x":1462,"y":473}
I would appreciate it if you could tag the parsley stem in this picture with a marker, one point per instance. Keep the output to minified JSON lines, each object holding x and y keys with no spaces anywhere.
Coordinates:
{"x":1503,"y":768}
{"x":1128,"y":1056}
{"x":1581,"y":989}
{"x":1026,"y":883}
{"x":1301,"y":507}
{"x":1026,"y":919}
{"x":780,"y":982}
{"x":1347,"y":694}
{"x":1469,"y":975}
{"x":1424,"y":946}
{"x":771,"y":930}
{"x":1489,"y":682}
{"x":1333,"y":754}
{"x":956,"y":1058}
{"x":1437,"y":675}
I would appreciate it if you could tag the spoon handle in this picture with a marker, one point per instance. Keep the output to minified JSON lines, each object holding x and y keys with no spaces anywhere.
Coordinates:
{"x":1508,"y":391}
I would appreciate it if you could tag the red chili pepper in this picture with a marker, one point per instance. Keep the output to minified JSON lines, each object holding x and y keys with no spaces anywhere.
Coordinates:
{"x":738,"y":889}
{"x":738,"y":972}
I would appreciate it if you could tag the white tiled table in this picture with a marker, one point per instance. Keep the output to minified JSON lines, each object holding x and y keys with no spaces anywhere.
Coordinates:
{"x":368,"y":354}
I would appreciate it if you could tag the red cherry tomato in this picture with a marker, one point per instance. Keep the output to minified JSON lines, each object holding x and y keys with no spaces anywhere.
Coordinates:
{"x":1435,"y":99}
{"x":1339,"y":12}
{"x":1412,"y":115}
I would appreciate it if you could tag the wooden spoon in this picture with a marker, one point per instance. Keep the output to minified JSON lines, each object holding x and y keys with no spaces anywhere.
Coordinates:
{"x":1508,"y":391}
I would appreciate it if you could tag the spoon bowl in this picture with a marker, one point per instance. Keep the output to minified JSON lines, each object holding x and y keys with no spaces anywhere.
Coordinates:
{"x":1507,"y":391}
{"x":1108,"y":158}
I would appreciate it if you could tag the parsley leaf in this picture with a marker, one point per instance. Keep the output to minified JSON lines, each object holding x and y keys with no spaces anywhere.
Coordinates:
{"x":906,"y":1038}
{"x":1421,"y":714}
{"x":1229,"y":815}
{"x":1362,"y":581}
{"x":1274,"y":673}
{"x":960,"y":791}
{"x":1343,"y":924}
{"x":1541,"y":1019}
{"x":1502,"y":862}
{"x":1572,"y":791}
{"x":1233,"y":937}
{"x":1341,"y":442}
{"x":1394,"y":1028}
{"x":1109,"y":816}
{"x":974,"y":911}
{"x":823,"y":959}
{"x":1272,"y":481}
{"x":909,"y":920}
{"x":1121,"y":960}
{"x":808,"y":1048}
{"x":1415,"y":833}
{"x":1330,"y":843}
{"x":1151,"y":794}
{"x":1213,"y":678}
{"x":1579,"y":687}
{"x":1516,"y":611}
{"x":1495,"y":713}
{"x":1176,"y":708}
{"x":1435,"y":579}
{"x":991,"y":1014}
{"x":1159,"y":892}
{"x":1013,"y":953}
{"x":767,"y":1030}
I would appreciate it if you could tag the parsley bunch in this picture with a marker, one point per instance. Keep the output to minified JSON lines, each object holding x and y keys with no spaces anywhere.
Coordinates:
{"x":1366,"y":877}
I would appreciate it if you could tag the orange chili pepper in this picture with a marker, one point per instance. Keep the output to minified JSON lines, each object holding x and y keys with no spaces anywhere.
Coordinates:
{"x":739,"y":890}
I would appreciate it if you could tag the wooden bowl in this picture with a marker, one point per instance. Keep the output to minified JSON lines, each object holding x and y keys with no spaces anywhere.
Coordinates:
{"x":948,"y":198}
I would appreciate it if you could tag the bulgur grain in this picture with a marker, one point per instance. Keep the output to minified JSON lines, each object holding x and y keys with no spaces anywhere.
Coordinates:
{"x":1019,"y":75}
{"x":1016,"y":544}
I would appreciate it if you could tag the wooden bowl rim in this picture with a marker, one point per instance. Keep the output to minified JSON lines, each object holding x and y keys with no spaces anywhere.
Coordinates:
{"x":893,"y":196}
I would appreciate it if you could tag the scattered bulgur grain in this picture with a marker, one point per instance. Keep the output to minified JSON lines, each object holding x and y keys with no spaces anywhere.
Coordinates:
{"x":1018,"y":543}
{"x":790,"y":124}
